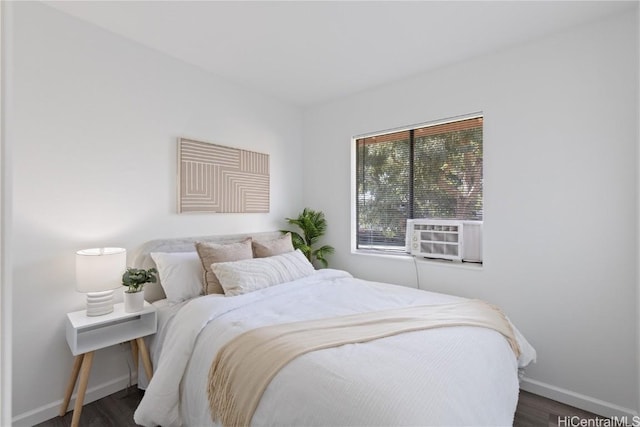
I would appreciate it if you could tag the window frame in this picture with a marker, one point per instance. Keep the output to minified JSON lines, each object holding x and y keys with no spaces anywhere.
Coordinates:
{"x":354,"y":171}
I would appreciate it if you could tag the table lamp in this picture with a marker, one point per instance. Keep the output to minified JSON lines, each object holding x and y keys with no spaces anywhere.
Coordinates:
{"x":98,"y":272}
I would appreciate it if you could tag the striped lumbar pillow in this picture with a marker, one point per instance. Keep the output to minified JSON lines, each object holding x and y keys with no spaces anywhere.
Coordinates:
{"x":240,"y":277}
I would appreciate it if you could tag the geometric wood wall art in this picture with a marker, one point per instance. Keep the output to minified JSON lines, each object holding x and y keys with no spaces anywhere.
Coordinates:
{"x":214,"y":178}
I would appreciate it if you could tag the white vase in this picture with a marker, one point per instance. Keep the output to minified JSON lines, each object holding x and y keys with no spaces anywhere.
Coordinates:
{"x":133,"y":301}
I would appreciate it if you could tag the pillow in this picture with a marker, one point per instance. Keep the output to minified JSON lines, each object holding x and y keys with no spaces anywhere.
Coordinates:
{"x":240,"y":277}
{"x":211,"y":253}
{"x":274,"y":247}
{"x":180,"y":274}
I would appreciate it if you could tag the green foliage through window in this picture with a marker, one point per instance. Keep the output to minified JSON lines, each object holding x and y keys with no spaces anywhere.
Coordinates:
{"x":428,"y":172}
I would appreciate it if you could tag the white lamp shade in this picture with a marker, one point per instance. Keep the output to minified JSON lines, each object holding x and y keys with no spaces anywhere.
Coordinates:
{"x":100,"y":269}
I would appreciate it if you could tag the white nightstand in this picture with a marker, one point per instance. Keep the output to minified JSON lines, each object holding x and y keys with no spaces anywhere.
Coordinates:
{"x":87,"y":334}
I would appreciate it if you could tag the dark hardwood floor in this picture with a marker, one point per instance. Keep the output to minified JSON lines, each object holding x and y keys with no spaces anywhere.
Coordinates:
{"x":117,"y":410}
{"x":534,"y":410}
{"x":114,"y":410}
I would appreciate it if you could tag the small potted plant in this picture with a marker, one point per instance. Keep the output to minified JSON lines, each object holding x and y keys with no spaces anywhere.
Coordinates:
{"x":134,"y":279}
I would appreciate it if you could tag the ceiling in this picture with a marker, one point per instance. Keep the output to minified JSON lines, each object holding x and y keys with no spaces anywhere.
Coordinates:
{"x":307,"y":53}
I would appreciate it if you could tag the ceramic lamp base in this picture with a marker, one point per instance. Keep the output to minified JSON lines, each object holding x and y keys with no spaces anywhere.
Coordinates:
{"x":99,"y":303}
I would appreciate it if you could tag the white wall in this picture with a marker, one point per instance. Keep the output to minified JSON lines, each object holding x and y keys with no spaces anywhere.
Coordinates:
{"x":94,"y":126}
{"x":560,"y":144}
{"x":5,"y":226}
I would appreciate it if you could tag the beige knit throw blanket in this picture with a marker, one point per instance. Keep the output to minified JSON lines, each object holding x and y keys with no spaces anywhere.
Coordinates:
{"x":244,"y":367}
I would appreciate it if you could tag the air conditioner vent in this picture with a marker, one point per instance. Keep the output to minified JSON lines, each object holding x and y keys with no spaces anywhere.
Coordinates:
{"x":445,"y":239}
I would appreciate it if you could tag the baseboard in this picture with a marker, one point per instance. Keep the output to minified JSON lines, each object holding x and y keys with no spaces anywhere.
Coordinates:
{"x":46,"y":412}
{"x":568,"y":397}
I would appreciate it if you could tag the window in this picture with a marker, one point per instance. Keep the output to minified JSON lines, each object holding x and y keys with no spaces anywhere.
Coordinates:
{"x":430,"y":171}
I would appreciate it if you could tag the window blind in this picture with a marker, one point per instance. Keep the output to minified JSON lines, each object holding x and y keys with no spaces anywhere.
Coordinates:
{"x":426,"y":172}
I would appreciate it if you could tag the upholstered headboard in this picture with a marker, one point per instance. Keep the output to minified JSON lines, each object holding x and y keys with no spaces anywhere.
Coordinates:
{"x":141,"y":257}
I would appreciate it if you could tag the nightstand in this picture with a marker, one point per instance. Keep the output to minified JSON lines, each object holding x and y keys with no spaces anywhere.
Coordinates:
{"x":87,"y":334}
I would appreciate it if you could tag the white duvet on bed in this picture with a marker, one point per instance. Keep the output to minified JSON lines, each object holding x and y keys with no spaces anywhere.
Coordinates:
{"x":446,"y":376}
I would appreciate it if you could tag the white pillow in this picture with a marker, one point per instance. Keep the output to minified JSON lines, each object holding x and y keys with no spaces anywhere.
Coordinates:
{"x":180,"y":274}
{"x":240,"y":277}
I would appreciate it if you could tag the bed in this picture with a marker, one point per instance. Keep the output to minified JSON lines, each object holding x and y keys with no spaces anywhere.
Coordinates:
{"x":458,"y":375}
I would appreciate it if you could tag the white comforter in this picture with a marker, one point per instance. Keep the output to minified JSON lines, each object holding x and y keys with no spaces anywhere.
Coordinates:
{"x":447,"y":376}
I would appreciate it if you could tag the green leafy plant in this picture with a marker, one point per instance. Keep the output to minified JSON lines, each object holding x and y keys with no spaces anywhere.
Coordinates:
{"x":313,"y":225}
{"x":135,"y":278}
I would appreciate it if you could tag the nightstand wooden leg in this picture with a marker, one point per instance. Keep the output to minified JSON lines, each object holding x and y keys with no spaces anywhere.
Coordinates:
{"x":77,"y":363}
{"x":134,"y":353}
{"x":82,"y":388}
{"x":146,"y":361}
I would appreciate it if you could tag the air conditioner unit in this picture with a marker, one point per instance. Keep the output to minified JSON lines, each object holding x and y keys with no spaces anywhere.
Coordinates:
{"x":445,"y":239}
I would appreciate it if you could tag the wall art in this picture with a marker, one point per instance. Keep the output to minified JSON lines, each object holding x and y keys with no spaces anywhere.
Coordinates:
{"x":217,"y":179}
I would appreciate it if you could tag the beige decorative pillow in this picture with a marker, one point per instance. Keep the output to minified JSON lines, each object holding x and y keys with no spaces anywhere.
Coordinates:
{"x":278,"y":246}
{"x":212,"y":253}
